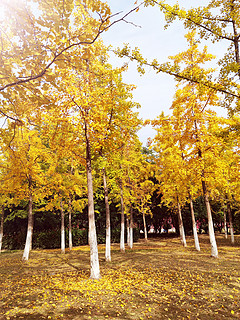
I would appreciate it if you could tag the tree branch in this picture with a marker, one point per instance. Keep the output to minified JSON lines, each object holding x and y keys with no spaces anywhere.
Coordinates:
{"x":193,"y":21}
{"x":101,"y":29}
{"x":162,"y":68}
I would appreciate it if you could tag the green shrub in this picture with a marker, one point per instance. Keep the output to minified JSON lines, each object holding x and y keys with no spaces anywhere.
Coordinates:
{"x":14,"y":241}
{"x":50,"y":239}
{"x":79,"y":236}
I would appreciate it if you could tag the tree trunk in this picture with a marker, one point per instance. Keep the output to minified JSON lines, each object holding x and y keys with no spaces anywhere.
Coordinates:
{"x":194,"y":226}
{"x":225,"y":224}
{"x":128,"y":231}
{"x":108,"y":221}
{"x":28,"y":243}
{"x":145,"y":227}
{"x":122,"y":242}
{"x":70,"y":244}
{"x":92,"y":234}
{"x":235,"y":37}
{"x":1,"y":228}
{"x":131,"y":229}
{"x":181,"y":227}
{"x":214,"y":250}
{"x":230,"y":222}
{"x":62,"y":229}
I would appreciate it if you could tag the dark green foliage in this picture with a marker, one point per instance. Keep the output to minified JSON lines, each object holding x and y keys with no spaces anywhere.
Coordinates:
{"x":14,"y":241}
{"x":50,"y":239}
{"x":79,"y":237}
{"x":47,"y":234}
{"x":236,"y":222}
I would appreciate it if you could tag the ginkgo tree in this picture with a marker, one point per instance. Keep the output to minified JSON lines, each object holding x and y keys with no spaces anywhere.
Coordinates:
{"x":132,"y":166}
{"x":38,"y":38}
{"x":92,"y":94}
{"x":227,"y":184}
{"x":6,"y":199}
{"x":122,"y":125}
{"x":170,"y":169}
{"x":24,"y":154}
{"x":142,"y":192}
{"x":64,"y":172}
{"x":197,"y":125}
{"x":218,"y":21}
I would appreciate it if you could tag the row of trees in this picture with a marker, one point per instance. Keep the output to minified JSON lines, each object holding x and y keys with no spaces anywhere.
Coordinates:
{"x":72,"y":126}
{"x":196,"y":152}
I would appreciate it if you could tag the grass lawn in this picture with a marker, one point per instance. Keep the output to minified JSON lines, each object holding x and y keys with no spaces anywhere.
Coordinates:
{"x":156,"y":280}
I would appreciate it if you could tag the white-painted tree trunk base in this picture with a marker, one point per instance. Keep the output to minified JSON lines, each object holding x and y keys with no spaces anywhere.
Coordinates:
{"x":1,"y":239}
{"x":181,"y":228}
{"x":214,"y":250}
{"x":94,"y":260}
{"x":63,"y":241}
{"x":131,"y":238}
{"x":232,"y":234}
{"x":196,"y":241}
{"x":122,"y":240}
{"x":195,"y":234}
{"x":70,"y":240}
{"x":27,"y":245}
{"x":108,"y":245}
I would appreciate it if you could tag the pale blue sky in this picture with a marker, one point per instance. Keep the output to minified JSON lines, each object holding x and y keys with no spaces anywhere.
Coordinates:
{"x":154,"y":91}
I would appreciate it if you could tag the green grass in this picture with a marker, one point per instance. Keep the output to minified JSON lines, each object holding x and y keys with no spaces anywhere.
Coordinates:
{"x":156,"y":280}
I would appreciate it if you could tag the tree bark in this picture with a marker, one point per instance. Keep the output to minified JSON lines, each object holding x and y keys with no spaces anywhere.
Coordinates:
{"x":128,"y":231}
{"x":108,"y":220}
{"x":70,"y":243}
{"x":131,"y":229}
{"x":230,"y":222}
{"x":92,"y":234}
{"x":145,"y":227}
{"x":197,"y":246}
{"x":225,"y":224}
{"x":214,"y":250}
{"x":1,"y":228}
{"x":70,"y":224}
{"x":235,"y":38}
{"x":62,"y":229}
{"x":122,"y":242}
{"x":181,"y":227}
{"x":28,"y":243}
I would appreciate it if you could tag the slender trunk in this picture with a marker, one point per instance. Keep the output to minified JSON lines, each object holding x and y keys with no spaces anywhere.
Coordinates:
{"x":108,"y":222}
{"x":230,"y":222}
{"x":70,"y":242}
{"x":70,"y":224}
{"x":214,"y":250}
{"x":235,"y":39}
{"x":197,"y":246}
{"x":28,"y":243}
{"x":62,"y":229}
{"x":225,"y":224}
{"x":92,"y":234}
{"x":128,"y":231}
{"x":131,"y":229}
{"x":1,"y":228}
{"x":122,"y":242}
{"x":145,"y":227}
{"x":181,"y":227}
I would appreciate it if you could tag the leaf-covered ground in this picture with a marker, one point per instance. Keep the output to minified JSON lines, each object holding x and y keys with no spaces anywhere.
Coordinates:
{"x":156,"y":280}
